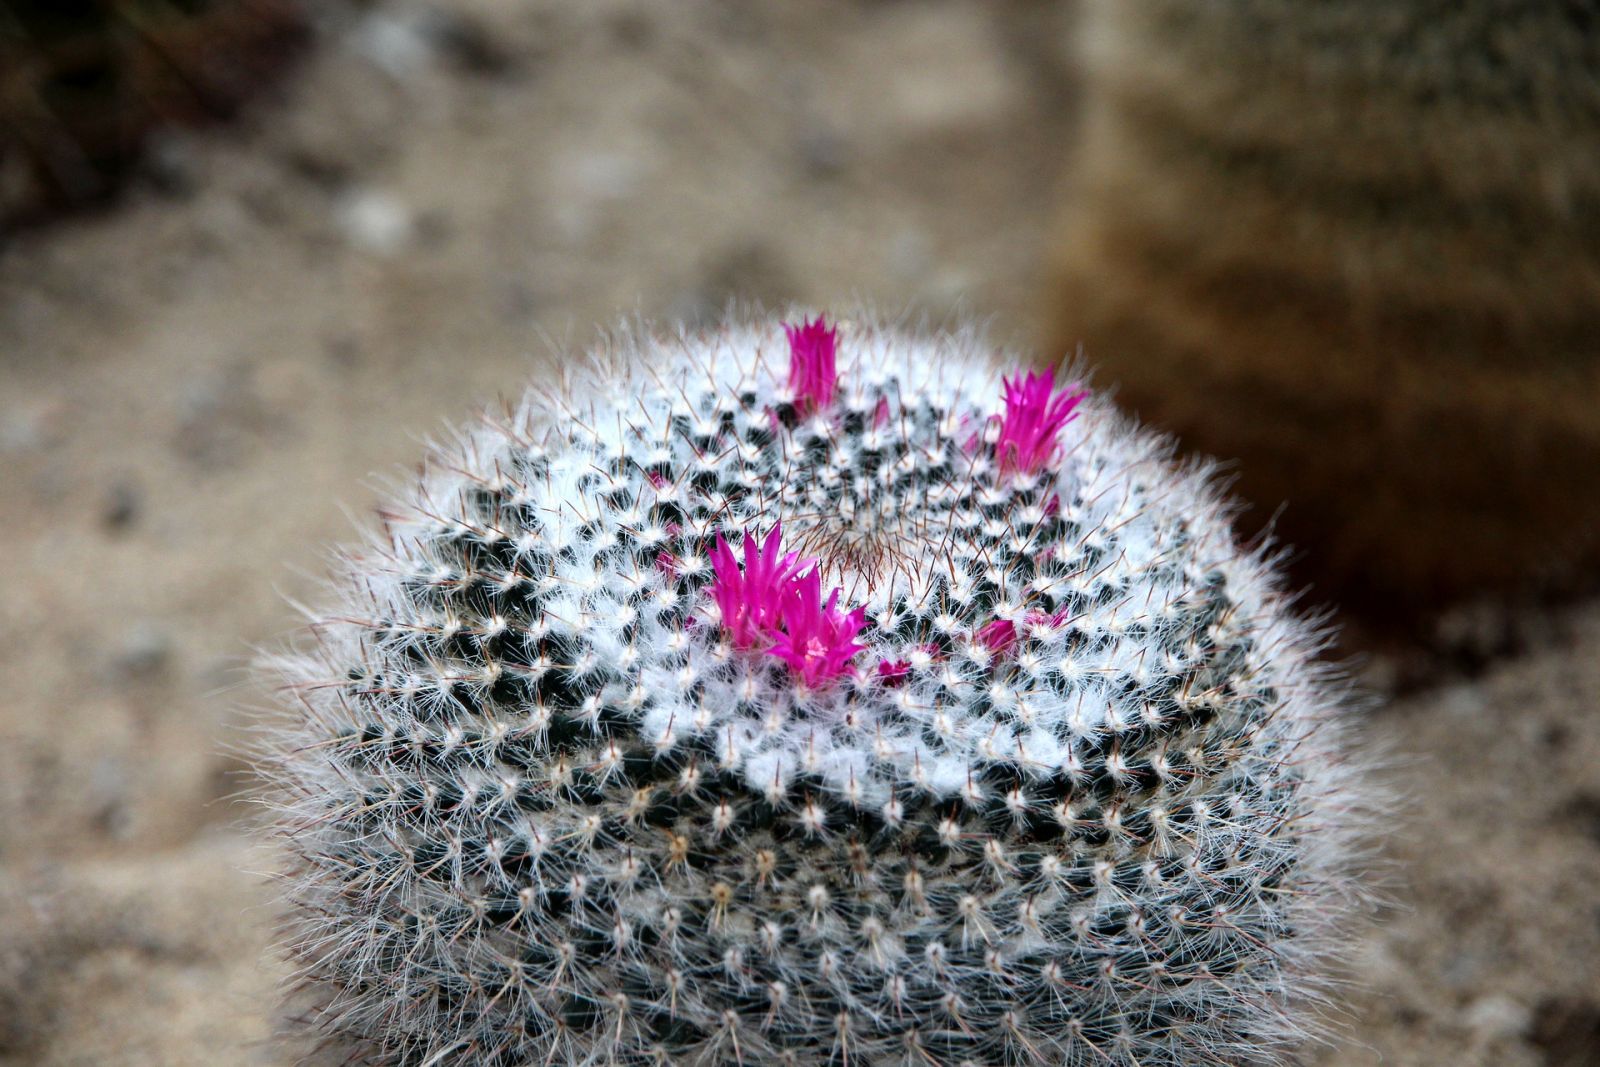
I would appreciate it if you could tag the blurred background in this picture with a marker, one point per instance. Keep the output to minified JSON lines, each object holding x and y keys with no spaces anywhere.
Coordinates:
{"x":254,"y":252}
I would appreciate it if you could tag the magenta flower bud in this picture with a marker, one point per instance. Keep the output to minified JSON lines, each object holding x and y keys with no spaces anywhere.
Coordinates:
{"x":813,"y":375}
{"x":1035,"y":415}
{"x":751,"y":599}
{"x":817,"y":640}
{"x":997,"y":636}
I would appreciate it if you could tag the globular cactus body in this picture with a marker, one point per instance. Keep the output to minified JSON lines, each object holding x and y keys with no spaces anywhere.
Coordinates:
{"x":588,"y":769}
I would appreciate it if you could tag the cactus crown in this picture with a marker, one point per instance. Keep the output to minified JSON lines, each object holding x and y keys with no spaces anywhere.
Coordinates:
{"x":800,"y":696}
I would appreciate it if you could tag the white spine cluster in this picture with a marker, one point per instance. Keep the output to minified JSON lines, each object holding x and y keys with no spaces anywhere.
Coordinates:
{"x":545,"y":812}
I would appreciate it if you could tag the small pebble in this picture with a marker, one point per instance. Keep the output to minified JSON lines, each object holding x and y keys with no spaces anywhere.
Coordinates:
{"x":144,"y":651}
{"x":375,"y":221}
{"x":1497,"y":1016}
{"x":121,"y":507}
{"x":395,"y":44}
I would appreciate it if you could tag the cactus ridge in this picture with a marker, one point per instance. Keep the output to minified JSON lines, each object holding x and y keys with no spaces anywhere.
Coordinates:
{"x":543,"y":812}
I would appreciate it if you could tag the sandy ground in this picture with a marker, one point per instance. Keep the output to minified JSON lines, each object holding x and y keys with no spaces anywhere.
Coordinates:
{"x":201,"y":390}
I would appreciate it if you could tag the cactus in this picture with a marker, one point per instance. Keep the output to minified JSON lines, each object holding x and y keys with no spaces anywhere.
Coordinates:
{"x":804,"y":697}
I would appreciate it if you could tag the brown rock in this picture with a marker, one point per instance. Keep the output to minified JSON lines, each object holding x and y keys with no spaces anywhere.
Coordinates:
{"x":1355,"y":247}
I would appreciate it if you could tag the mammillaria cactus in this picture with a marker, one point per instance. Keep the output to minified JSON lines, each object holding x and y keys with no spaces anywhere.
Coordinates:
{"x":810,"y":696}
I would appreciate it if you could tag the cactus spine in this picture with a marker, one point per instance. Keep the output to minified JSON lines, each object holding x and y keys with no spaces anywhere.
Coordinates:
{"x":803,"y":697}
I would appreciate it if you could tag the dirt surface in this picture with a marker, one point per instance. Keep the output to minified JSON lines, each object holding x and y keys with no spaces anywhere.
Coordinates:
{"x":202,"y":390}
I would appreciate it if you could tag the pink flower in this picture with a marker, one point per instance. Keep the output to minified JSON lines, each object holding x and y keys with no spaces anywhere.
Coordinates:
{"x":818,"y":640}
{"x":812,"y":374}
{"x":997,"y":636}
{"x":893,"y":671}
{"x":773,"y":604}
{"x":752,"y":599}
{"x":1035,"y":415}
{"x":1044,"y":620}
